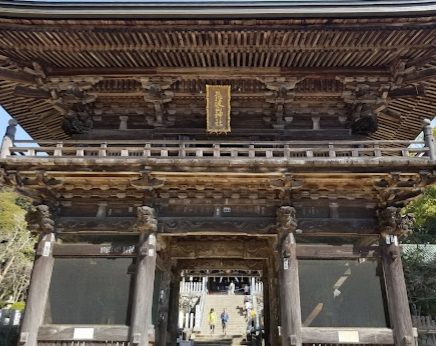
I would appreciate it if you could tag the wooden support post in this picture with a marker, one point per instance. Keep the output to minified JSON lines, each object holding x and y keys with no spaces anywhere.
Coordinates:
{"x":333,"y":210}
{"x":143,"y":292}
{"x":102,"y":209}
{"x":429,"y":139}
{"x":58,"y":150}
{"x":173,"y":323}
{"x":288,"y":277}
{"x":123,"y":122}
{"x":103,"y":150}
{"x":164,"y":302}
{"x":142,"y":301}
{"x":289,"y":284}
{"x":38,"y":292}
{"x":5,"y":149}
{"x":315,"y":122}
{"x":398,"y":304}
{"x":273,"y":303}
{"x":8,"y":139}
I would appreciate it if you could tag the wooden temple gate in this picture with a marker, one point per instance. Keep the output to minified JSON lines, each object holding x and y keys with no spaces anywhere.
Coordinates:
{"x":270,"y":136}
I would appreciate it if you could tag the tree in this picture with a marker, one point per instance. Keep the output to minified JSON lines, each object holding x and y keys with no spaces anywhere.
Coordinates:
{"x":424,"y":210}
{"x":420,"y":278}
{"x":16,"y":247}
{"x":420,"y":274}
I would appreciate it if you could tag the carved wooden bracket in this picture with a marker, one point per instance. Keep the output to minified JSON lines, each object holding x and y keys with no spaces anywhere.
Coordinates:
{"x":392,"y":222}
{"x":281,"y":91}
{"x":157,"y":91}
{"x":41,"y":220}
{"x":146,"y":220}
{"x":286,"y":224}
{"x":69,"y":96}
{"x":147,"y":182}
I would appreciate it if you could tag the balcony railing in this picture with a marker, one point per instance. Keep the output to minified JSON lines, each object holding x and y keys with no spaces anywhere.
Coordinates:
{"x":214,"y":150}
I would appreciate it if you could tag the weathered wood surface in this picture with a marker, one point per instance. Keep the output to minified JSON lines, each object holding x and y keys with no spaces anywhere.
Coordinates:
{"x":97,"y":224}
{"x":173,"y":317}
{"x":142,"y":300}
{"x":163,"y":309}
{"x":232,"y":247}
{"x":84,"y":343}
{"x":197,"y":225}
{"x":117,"y":58}
{"x":290,"y":287}
{"x":318,"y":335}
{"x":332,"y":251}
{"x":66,"y":332}
{"x":231,"y":149}
{"x":38,"y":291}
{"x":398,"y":304}
{"x":78,"y":250}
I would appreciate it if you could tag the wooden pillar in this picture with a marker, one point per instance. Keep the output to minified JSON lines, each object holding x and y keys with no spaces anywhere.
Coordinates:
{"x":266,"y":307}
{"x":143,"y":292}
{"x":274,"y":308}
{"x":38,"y":291}
{"x":173,"y":318}
{"x":398,"y":304}
{"x":164,"y":302}
{"x":290,"y":293}
{"x":288,"y":277}
{"x":142,"y":301}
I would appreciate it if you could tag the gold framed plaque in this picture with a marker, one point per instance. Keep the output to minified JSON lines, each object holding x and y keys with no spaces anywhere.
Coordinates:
{"x":218,"y":108}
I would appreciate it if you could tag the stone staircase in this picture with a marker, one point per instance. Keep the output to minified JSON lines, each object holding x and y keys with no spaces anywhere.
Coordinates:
{"x":236,"y":327}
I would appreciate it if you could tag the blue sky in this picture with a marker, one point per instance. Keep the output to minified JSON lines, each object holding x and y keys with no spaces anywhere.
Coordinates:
{"x":4,"y":118}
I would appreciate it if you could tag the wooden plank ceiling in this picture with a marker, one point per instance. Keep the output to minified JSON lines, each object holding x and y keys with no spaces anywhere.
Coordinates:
{"x":284,"y":73}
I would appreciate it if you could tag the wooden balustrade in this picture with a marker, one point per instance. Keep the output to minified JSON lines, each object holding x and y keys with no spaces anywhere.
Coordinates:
{"x":309,"y":150}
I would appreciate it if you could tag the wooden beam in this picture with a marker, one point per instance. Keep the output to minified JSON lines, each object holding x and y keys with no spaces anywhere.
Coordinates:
{"x":31,"y":92}
{"x":79,"y":250}
{"x":38,"y":292}
{"x":422,"y":75}
{"x":14,"y":76}
{"x":245,"y":247}
{"x":295,"y":134}
{"x":379,"y":336}
{"x":219,"y":72}
{"x":409,"y":91}
{"x":331,"y":251}
{"x":115,"y":333}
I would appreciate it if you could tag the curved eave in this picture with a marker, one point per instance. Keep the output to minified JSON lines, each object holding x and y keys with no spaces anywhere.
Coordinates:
{"x":215,"y":9}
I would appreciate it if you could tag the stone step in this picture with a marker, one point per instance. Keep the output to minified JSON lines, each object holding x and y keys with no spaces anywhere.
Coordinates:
{"x":234,"y":306}
{"x":218,"y":340}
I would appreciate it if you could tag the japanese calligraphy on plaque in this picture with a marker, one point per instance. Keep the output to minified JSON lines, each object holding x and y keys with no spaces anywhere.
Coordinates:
{"x":218,"y":108}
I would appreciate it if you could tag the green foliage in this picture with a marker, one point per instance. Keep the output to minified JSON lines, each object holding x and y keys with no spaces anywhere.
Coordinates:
{"x":420,"y":274}
{"x":18,"y":306}
{"x":421,"y":282}
{"x":424,"y":210}
{"x":12,"y":216}
{"x":16,"y":246}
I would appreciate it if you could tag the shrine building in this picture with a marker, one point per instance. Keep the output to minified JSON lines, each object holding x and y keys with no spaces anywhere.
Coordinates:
{"x":190,"y":145}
